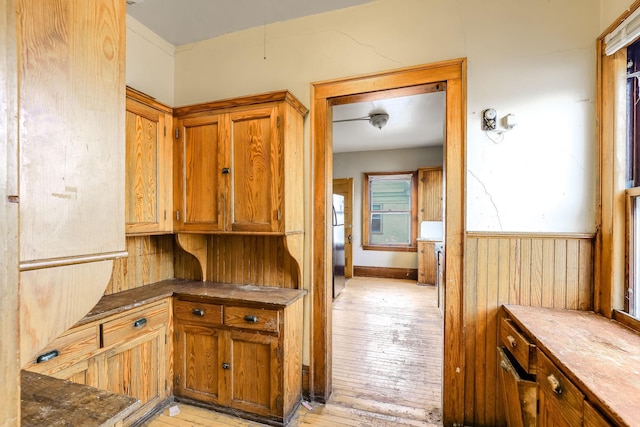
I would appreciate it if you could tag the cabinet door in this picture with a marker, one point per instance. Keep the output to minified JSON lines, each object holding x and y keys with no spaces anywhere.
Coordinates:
{"x":199,"y":355}
{"x":430,"y":190}
{"x":202,"y":202}
{"x":427,"y":263}
{"x":257,"y":181}
{"x":148,"y":179}
{"x":254,"y":373}
{"x":138,"y":369}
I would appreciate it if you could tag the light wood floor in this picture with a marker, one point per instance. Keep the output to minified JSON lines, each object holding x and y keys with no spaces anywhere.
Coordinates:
{"x":387,"y":362}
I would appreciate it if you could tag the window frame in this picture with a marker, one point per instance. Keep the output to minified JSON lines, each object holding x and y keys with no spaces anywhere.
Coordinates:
{"x":366,"y":213}
{"x":614,"y":242}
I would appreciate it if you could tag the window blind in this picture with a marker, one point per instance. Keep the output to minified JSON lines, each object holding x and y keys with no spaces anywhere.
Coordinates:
{"x":624,"y":34}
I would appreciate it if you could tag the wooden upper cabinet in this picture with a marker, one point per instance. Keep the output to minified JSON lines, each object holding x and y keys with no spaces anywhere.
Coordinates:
{"x":430,"y":192}
{"x":230,"y":166}
{"x":148,"y":172}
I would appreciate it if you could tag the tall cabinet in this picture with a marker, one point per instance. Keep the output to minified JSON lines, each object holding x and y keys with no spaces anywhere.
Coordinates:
{"x":71,"y":151}
{"x":63,"y":71}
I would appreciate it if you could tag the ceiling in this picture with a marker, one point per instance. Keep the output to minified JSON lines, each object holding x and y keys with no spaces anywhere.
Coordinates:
{"x":414,"y":121}
{"x":188,"y":21}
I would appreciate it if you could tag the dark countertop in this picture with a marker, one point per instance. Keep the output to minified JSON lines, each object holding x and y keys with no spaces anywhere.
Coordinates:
{"x":212,"y":291}
{"x":52,"y":402}
{"x":601,"y":356}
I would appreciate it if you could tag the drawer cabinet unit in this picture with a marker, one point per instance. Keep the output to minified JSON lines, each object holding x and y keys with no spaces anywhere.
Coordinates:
{"x":125,"y":353}
{"x":240,"y":357}
{"x":230,"y":162}
{"x":148,"y":171}
{"x":427,"y":263}
{"x":579,"y":363}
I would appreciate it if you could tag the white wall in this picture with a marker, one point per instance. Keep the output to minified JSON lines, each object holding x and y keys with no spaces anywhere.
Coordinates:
{"x":150,"y":62}
{"x":353,"y":165}
{"x":531,"y":58}
{"x":610,"y":10}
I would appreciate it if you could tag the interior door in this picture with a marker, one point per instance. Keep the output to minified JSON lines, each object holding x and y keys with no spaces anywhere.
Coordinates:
{"x":344,"y":187}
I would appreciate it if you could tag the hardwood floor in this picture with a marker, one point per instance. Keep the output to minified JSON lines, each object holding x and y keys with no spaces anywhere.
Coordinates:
{"x":387,"y":362}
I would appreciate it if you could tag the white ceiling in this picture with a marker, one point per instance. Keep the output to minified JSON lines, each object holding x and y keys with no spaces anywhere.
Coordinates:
{"x":414,"y":121}
{"x":186,"y":21}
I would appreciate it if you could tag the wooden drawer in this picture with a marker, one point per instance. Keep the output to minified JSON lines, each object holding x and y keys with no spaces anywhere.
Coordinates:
{"x":518,"y":345}
{"x":190,"y":311}
{"x":559,"y":390}
{"x":251,"y":318}
{"x":75,"y":345}
{"x":133,"y":324}
{"x":519,"y":395}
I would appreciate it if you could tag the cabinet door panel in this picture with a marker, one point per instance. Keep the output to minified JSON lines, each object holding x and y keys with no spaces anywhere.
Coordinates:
{"x":148,"y":201}
{"x":199,"y":357}
{"x":254,"y":372}
{"x":203,"y":203}
{"x":256,"y":188}
{"x":138,"y":369}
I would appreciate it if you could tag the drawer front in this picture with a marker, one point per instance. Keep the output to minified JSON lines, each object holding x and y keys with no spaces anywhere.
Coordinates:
{"x":251,"y":318}
{"x":68,"y":349}
{"x":559,"y":390}
{"x":133,"y":324}
{"x":190,"y":311}
{"x":519,"y":395}
{"x":518,"y":345}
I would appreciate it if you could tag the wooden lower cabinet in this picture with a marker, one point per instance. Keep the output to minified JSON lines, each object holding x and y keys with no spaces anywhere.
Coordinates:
{"x":133,"y":362}
{"x":247,"y":361}
{"x":427,"y":263}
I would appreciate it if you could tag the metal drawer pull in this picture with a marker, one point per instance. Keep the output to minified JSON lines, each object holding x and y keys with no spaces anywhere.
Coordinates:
{"x":140,"y":323}
{"x":226,"y":171}
{"x":225,"y":366}
{"x":47,"y":356}
{"x":555,"y":384}
{"x":198,"y":312}
{"x":251,"y":318}
{"x":512,"y":341}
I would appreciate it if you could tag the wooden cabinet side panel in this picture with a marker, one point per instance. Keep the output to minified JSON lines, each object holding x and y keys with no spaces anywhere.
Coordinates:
{"x":291,"y":359}
{"x":72,"y":98}
{"x":292,"y":171}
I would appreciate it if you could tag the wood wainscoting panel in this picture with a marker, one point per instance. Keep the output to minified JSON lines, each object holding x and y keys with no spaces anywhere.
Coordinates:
{"x":251,"y":260}
{"x":150,"y":260}
{"x":543,"y":270}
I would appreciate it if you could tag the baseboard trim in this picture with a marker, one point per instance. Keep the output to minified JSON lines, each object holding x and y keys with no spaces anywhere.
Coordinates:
{"x":385,"y":272}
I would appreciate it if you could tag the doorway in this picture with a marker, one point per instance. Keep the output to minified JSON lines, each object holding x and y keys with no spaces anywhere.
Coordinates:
{"x":395,"y":83}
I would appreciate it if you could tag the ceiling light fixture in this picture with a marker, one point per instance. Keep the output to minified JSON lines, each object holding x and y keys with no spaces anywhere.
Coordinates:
{"x":377,"y":120}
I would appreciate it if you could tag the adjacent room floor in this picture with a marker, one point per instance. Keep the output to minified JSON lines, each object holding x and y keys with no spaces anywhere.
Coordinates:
{"x":387,"y":362}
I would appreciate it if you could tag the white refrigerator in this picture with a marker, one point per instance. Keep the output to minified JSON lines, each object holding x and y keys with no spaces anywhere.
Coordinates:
{"x":338,"y":244}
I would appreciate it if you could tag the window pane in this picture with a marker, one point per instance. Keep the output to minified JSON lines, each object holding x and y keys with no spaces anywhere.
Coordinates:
{"x":634,"y":294}
{"x":390,"y":194}
{"x":395,"y":229}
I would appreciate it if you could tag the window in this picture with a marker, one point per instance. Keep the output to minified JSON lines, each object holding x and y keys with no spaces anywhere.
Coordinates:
{"x":389,"y":211}
{"x":632,"y":288}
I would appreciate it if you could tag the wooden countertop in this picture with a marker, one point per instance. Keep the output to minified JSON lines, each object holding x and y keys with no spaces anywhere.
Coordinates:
{"x":601,"y":356}
{"x":212,"y":291}
{"x":51,"y":402}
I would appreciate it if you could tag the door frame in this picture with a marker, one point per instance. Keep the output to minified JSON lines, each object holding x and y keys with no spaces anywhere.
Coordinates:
{"x":324,"y":95}
{"x":344,"y":187}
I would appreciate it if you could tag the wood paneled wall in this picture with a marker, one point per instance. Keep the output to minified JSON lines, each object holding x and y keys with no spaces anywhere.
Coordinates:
{"x":150,"y":260}
{"x":536,"y":270}
{"x":242,"y":259}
